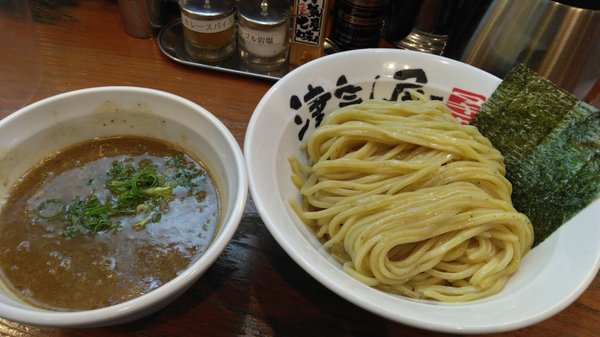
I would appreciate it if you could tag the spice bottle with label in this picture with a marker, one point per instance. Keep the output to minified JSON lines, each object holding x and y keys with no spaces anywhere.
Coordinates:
{"x":309,"y":23}
{"x":263,"y":33}
{"x":209,"y":28}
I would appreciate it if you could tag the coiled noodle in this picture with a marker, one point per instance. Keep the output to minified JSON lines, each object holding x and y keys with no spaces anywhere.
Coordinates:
{"x":411,"y":201}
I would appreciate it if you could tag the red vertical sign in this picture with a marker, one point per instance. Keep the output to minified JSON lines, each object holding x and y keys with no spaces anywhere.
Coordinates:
{"x":464,"y":104}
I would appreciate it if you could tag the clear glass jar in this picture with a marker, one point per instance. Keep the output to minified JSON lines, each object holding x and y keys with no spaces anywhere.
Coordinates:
{"x":209,"y":28}
{"x":264,"y":33}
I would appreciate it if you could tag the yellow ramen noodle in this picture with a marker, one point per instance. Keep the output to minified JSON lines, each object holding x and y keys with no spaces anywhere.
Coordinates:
{"x":411,"y":201}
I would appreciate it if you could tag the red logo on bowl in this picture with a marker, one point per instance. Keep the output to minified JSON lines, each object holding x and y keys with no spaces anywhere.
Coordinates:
{"x":464,"y":104}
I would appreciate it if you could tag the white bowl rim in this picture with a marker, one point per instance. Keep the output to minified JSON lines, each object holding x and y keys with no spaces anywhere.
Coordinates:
{"x":347,"y":293}
{"x":104,"y":316}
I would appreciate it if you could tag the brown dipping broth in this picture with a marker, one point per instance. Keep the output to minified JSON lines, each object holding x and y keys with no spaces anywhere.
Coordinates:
{"x":86,"y":271}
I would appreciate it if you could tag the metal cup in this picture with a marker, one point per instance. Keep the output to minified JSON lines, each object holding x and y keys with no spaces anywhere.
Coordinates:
{"x":143,"y":18}
{"x":560,"y":42}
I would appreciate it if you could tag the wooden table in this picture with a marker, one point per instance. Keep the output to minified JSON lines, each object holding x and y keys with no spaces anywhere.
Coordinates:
{"x":254,"y":288}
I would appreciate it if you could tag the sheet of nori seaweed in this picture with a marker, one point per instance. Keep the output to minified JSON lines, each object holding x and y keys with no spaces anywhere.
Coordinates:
{"x":551,"y":144}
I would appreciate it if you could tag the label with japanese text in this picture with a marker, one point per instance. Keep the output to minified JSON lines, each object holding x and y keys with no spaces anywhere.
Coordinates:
{"x":264,"y":43}
{"x":309,"y":21}
{"x":208,"y":26}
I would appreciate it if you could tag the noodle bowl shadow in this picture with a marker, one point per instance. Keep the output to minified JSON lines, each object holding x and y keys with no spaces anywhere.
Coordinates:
{"x":52,"y":124}
{"x":292,"y":108}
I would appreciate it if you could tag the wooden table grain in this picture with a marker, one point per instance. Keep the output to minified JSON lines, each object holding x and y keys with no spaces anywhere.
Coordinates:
{"x":254,"y":288}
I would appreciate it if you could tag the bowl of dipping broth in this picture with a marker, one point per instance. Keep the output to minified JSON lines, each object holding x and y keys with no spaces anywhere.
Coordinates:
{"x":115,"y":200}
{"x":365,"y":170}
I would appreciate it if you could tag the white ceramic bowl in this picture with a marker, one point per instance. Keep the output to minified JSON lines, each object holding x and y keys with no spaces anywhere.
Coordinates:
{"x":37,"y":130}
{"x":552,"y":275}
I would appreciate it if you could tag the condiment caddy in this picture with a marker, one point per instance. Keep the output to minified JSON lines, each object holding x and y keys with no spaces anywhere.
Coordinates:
{"x":256,"y":38}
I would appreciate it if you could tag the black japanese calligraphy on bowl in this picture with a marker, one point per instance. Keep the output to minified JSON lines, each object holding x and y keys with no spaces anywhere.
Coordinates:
{"x":313,"y":102}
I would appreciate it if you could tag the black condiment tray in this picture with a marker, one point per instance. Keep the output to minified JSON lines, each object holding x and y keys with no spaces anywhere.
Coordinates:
{"x":170,"y":42}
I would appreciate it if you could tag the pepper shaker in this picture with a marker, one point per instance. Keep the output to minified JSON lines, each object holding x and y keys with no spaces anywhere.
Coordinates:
{"x":209,"y":28}
{"x":263,"y":33}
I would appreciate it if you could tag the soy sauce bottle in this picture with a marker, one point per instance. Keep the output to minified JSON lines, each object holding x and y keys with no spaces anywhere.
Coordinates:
{"x":357,"y":23}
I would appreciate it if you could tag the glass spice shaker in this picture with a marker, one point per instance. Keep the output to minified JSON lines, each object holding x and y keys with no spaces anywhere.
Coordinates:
{"x":432,"y":26}
{"x":263,"y":33}
{"x":209,"y":28}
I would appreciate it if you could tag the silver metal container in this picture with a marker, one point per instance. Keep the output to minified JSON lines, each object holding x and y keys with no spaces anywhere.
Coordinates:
{"x":560,"y":42}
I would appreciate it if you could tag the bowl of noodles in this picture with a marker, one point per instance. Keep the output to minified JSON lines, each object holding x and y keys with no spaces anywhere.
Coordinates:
{"x":365,"y":169}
